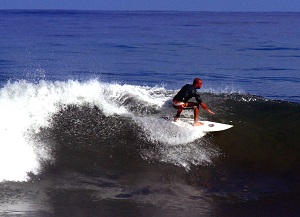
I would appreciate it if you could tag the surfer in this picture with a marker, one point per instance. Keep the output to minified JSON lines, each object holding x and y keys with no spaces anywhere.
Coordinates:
{"x":180,"y":100}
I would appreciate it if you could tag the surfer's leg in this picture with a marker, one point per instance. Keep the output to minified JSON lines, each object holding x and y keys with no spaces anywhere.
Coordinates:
{"x":177,"y":114}
{"x":196,"y":115}
{"x":179,"y":106}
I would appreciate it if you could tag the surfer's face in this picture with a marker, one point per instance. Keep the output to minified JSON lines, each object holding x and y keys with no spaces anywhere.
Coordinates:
{"x":198,"y":85}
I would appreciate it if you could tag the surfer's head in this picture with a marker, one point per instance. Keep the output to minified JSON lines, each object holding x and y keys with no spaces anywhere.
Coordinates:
{"x":197,"y":83}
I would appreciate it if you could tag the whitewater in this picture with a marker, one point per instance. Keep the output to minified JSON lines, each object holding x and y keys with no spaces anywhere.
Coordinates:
{"x":27,"y":107}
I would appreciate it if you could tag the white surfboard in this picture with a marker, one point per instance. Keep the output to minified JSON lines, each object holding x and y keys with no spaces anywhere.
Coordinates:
{"x":208,"y":126}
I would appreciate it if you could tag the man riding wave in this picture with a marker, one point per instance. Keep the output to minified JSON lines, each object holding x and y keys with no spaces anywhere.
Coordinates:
{"x":188,"y":91}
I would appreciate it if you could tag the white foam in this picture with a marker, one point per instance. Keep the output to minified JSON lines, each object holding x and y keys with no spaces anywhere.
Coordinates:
{"x":227,"y":89}
{"x":179,"y":145}
{"x":160,"y":130}
{"x":26,"y":107}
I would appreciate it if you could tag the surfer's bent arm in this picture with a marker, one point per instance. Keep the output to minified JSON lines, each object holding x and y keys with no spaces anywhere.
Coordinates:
{"x":206,"y":108}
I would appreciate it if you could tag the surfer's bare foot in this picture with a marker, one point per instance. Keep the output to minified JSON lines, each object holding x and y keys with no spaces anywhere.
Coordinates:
{"x":175,"y":119}
{"x":198,"y":123}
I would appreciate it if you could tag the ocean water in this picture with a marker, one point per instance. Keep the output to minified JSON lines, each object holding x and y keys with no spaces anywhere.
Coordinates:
{"x":82,"y":96}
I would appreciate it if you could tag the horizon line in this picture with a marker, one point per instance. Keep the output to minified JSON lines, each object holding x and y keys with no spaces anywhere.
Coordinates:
{"x":141,"y":10}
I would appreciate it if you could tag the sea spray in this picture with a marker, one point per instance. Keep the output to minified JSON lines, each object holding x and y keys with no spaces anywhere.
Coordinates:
{"x":26,"y":108}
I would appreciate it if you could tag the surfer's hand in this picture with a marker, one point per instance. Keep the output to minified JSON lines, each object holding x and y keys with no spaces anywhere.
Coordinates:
{"x":211,"y":112}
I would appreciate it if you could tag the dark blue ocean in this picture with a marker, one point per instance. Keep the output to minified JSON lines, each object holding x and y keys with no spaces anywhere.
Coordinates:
{"x":82,"y":94}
